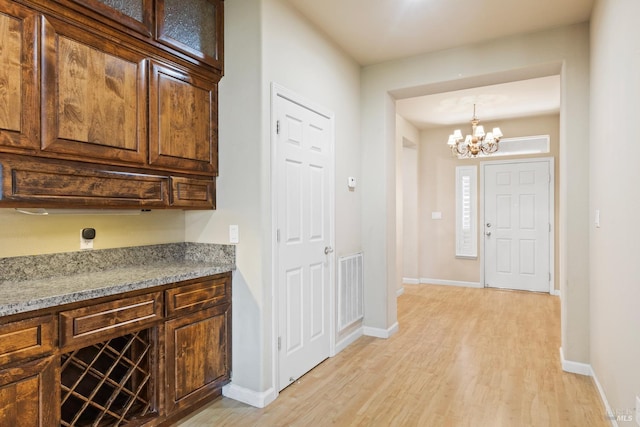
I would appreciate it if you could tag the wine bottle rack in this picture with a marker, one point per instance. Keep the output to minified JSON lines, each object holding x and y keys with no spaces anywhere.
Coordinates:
{"x":108,"y":384}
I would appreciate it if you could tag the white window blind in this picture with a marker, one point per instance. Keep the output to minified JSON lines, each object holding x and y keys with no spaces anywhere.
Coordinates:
{"x":466,"y":212}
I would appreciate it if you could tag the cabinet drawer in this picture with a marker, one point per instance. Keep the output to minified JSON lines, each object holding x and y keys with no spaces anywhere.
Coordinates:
{"x":197,"y":296}
{"x":103,"y":321}
{"x":25,"y":339}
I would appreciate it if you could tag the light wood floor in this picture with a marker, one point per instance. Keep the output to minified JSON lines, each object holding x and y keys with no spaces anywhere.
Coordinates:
{"x":462,"y":357}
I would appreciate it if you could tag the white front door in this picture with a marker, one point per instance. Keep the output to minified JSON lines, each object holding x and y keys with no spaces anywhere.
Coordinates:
{"x":304,"y":162}
{"x":517,"y":227}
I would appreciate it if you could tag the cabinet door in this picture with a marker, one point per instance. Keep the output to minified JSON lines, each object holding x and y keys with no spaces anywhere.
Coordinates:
{"x":30,"y":395}
{"x":194,"y":27}
{"x":183,"y":124}
{"x":135,"y":14}
{"x":95,"y":94}
{"x":198,"y":355}
{"x":19,"y":108}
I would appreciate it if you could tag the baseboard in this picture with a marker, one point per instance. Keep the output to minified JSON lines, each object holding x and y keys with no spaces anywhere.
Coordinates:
{"x":555,"y":292}
{"x":381,"y":333}
{"x":400,"y":291}
{"x":575,"y":367}
{"x":250,"y":397}
{"x":427,"y":281}
{"x":410,"y":281}
{"x":610,"y":413}
{"x":348,"y":340}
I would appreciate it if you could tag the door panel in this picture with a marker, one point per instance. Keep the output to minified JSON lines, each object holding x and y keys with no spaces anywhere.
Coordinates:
{"x":517,"y":225}
{"x":303,"y":161}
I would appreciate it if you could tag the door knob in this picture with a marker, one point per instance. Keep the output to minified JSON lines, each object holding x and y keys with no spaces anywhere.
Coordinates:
{"x":328,"y":250}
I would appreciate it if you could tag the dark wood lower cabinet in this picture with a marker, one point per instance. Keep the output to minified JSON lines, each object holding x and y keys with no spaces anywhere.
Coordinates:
{"x":197,"y":356}
{"x":28,"y":394}
{"x":177,"y":357}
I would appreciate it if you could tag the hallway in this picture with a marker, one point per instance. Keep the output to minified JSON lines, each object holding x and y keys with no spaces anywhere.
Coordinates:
{"x":462,"y":357}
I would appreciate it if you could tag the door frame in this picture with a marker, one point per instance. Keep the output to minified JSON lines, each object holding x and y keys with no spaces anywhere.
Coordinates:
{"x":282,"y":92}
{"x":552,"y":210}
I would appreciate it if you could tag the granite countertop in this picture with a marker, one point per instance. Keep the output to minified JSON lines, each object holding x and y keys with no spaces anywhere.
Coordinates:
{"x":43,"y":281}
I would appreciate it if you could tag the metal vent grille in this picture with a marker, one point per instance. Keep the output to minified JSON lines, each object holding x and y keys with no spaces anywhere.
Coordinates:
{"x":350,"y":290}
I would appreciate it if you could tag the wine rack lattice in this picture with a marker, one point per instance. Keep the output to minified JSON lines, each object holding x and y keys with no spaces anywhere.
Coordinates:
{"x":107,"y":384}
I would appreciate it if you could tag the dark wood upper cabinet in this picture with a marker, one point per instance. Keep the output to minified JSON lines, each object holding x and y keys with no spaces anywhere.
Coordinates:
{"x":183,"y":128}
{"x":19,"y":88}
{"x":194,"y":27}
{"x":96,"y":97}
{"x":110,"y":89}
{"x":135,"y":14}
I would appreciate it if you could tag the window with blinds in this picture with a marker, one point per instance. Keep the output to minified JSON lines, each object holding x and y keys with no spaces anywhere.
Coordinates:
{"x":466,"y":212}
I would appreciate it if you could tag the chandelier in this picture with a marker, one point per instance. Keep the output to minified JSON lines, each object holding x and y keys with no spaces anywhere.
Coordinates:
{"x":476,"y":143}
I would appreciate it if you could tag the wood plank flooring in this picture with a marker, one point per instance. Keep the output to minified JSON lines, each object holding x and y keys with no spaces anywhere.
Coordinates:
{"x":462,"y":357}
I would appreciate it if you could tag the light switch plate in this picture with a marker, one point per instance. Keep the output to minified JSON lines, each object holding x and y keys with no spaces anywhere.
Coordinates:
{"x":234,"y":235}
{"x":638,"y":410}
{"x":436,"y":215}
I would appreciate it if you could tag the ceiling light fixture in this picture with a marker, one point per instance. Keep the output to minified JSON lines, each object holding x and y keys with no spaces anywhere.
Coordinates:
{"x":476,"y":143}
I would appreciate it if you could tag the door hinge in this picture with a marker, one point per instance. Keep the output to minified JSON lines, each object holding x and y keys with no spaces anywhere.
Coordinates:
{"x":277,"y":127}
{"x":549,"y":276}
{"x":278,"y":235}
{"x":279,"y":343}
{"x":549,"y":227}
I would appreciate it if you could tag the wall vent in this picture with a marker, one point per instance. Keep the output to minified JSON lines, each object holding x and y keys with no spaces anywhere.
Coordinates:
{"x":350,"y":290}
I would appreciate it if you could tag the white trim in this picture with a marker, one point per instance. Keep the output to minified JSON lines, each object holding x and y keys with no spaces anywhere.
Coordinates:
{"x":575,"y":367}
{"x":552,"y":213}
{"x":399,"y":291}
{"x":250,"y":397}
{"x":410,"y":281}
{"x":348,"y":340}
{"x":427,"y":281}
{"x":381,"y":333}
{"x":555,"y":292}
{"x":587,"y":370}
{"x":603,"y":397}
{"x":276,"y":91}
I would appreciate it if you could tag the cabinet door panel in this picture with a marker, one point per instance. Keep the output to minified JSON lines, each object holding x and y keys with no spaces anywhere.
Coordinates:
{"x":183,"y":126}
{"x":198,"y":355}
{"x":194,"y":27}
{"x":135,"y":14}
{"x":29,"y":395}
{"x":19,"y":112}
{"x":96,"y":98}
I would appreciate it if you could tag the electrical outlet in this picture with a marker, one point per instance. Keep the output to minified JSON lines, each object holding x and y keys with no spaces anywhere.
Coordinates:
{"x":85,"y":244}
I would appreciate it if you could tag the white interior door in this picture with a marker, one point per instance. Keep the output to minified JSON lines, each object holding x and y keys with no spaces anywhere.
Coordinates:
{"x":304,"y":162}
{"x":517,"y":227}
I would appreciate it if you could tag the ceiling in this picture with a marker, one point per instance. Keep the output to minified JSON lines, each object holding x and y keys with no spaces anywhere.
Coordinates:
{"x":373,"y":31}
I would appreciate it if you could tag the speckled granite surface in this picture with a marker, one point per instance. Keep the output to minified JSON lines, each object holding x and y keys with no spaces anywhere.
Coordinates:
{"x":41,"y":281}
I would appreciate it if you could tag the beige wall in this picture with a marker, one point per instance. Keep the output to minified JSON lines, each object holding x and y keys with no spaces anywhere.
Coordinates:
{"x":269,"y":42}
{"x":437,"y":193}
{"x":614,"y":261}
{"x":22,"y":234}
{"x":406,"y":200}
